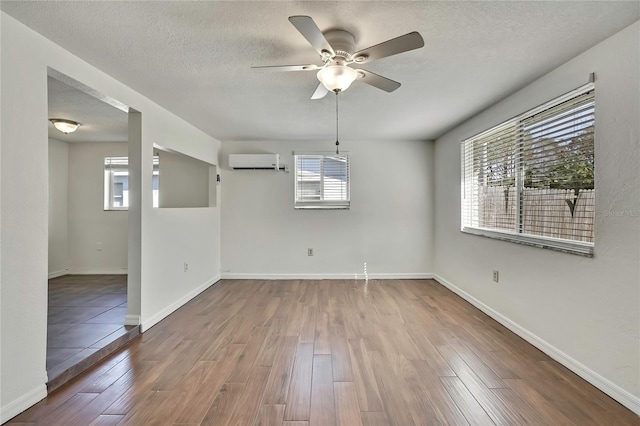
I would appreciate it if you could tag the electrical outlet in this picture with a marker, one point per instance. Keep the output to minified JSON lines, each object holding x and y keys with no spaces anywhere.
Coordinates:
{"x":496,"y":276}
{"x":186,"y":267}
{"x":309,"y":252}
{"x":99,"y":246}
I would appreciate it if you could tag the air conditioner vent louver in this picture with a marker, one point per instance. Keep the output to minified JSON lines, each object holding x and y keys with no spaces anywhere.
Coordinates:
{"x":254,"y":161}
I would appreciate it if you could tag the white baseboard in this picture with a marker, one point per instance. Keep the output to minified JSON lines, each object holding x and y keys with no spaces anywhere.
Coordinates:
{"x":98,"y":271}
{"x":401,"y":276}
{"x":23,"y":402}
{"x":624,"y":397}
{"x":396,"y":276}
{"x":159,"y":316}
{"x":132,"y":320}
{"x":57,"y":274}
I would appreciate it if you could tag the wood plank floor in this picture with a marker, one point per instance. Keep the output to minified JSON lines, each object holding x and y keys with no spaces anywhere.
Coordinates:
{"x":85,"y":323}
{"x":338,"y":352}
{"x":85,"y":314}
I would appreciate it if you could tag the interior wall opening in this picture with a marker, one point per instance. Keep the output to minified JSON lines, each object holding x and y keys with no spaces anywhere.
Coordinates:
{"x":89,"y":291}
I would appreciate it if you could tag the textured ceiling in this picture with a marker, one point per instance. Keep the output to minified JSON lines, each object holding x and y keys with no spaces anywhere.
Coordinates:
{"x":100,"y":122}
{"x":194,"y":58}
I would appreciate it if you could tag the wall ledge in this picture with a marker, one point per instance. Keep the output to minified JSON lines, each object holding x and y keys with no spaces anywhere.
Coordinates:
{"x":624,"y":397}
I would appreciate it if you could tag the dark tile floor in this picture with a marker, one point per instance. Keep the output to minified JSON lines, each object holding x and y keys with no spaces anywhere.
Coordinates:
{"x":86,"y":315}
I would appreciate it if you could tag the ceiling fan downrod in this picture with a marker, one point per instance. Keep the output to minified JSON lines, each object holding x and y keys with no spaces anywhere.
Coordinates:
{"x":337,"y":138}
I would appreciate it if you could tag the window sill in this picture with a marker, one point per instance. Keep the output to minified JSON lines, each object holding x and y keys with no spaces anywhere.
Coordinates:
{"x":321,"y":207}
{"x":565,"y":246}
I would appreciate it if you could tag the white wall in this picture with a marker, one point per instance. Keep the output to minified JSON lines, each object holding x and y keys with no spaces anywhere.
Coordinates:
{"x":89,"y":223}
{"x":172,"y":237}
{"x":585,"y":311}
{"x":58,"y":201}
{"x":77,"y":220}
{"x":389,"y":225}
{"x":167,"y":237}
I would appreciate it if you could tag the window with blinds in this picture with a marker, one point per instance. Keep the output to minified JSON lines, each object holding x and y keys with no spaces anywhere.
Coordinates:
{"x":322,"y":181}
{"x":116,"y":182}
{"x":531,"y":179}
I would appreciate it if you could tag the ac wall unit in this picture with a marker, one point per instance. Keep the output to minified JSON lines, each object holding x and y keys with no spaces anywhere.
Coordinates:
{"x":254,"y":161}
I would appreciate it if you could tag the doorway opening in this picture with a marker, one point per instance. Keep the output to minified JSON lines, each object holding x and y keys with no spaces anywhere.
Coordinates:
{"x":93,"y":308}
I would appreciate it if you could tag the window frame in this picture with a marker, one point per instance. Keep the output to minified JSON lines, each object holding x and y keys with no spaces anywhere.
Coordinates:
{"x":321,"y":204}
{"x":108,"y":182}
{"x":516,"y":235}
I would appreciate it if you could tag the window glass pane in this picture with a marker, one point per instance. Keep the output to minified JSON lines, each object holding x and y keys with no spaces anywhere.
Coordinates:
{"x":494,"y":163}
{"x":335,"y":179}
{"x":558,"y":155}
{"x":558,"y":149}
{"x":120,"y":189}
{"x":310,"y":191}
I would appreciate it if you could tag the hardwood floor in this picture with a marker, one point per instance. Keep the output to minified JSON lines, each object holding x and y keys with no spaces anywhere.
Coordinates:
{"x":85,"y":323}
{"x":340,"y":352}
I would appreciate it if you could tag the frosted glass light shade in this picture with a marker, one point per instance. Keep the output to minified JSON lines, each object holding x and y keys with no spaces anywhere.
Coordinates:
{"x":65,"y":126}
{"x":337,"y":77}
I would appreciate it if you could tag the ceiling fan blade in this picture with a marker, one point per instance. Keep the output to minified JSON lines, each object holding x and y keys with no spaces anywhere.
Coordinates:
{"x":320,"y":92}
{"x":310,"y":67}
{"x":312,"y":33}
{"x":378,"y":81}
{"x":391,"y":47}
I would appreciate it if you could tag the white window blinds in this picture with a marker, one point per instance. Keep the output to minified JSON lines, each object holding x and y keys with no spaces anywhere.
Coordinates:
{"x":531,"y":179}
{"x":116,"y":183}
{"x":322,"y":181}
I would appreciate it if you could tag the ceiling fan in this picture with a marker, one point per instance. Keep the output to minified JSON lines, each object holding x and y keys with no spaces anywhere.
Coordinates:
{"x":337,"y":51}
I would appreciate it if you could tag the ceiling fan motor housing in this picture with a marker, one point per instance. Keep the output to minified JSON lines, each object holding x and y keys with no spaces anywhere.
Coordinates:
{"x":342,"y":42}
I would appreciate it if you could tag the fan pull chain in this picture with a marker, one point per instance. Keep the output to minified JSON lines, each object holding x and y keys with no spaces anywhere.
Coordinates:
{"x":337,"y":138}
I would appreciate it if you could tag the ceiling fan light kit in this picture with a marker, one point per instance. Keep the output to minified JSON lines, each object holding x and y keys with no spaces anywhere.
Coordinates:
{"x":337,"y":78}
{"x":337,"y":52}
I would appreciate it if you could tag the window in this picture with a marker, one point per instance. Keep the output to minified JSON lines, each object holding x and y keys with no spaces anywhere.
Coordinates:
{"x":116,"y":183}
{"x":531,"y":179}
{"x":322,"y":181}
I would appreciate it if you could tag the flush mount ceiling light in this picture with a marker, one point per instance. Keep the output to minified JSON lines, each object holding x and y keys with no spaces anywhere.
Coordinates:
{"x":65,"y":126}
